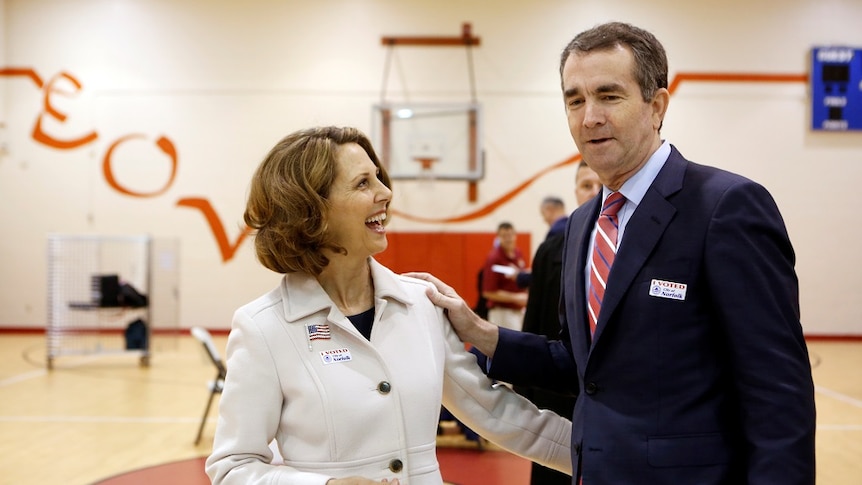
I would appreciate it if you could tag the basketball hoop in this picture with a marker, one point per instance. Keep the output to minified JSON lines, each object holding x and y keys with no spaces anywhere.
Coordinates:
{"x":420,"y":130}
{"x":425,"y":162}
{"x":426,"y":172}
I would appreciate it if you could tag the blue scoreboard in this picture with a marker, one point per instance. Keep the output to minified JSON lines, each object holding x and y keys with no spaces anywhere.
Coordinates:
{"x":836,"y":88}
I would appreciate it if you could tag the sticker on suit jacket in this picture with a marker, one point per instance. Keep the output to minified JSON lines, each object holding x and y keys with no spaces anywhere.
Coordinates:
{"x":667,"y":289}
{"x":335,"y":356}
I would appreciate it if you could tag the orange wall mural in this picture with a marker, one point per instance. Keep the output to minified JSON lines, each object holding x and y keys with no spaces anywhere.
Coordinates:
{"x":59,"y":85}
{"x":64,"y":84}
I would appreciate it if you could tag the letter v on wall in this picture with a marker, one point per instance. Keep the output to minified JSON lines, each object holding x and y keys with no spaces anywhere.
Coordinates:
{"x":217,"y":228}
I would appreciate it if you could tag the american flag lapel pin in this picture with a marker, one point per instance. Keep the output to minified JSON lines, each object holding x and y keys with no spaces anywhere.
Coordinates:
{"x":317,"y":331}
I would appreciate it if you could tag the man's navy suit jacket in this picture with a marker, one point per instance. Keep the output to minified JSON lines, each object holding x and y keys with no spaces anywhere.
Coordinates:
{"x":710,"y":387}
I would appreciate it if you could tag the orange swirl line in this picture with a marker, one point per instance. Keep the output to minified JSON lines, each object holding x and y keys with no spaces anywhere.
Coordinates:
{"x":493,"y":205}
{"x":22,"y":71}
{"x":678,"y":79}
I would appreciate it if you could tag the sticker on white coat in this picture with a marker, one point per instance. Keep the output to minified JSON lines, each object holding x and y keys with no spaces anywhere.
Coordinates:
{"x":667,"y":289}
{"x":335,"y":356}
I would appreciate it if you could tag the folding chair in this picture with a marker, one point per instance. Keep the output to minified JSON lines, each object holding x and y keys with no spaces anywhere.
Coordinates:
{"x":216,"y":385}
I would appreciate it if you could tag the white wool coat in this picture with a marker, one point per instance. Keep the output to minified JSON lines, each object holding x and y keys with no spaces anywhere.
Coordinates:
{"x":342,"y":405}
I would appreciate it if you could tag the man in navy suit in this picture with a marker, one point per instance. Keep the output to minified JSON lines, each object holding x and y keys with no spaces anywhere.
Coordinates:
{"x":697,"y":371}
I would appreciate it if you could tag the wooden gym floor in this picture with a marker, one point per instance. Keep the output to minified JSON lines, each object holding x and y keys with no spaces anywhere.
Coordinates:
{"x":105,"y":419}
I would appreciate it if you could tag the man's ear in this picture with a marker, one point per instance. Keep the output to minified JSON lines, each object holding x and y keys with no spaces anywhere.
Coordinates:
{"x":659,"y":103}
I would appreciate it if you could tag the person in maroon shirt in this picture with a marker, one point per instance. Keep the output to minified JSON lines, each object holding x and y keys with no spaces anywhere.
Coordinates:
{"x":506,"y":300}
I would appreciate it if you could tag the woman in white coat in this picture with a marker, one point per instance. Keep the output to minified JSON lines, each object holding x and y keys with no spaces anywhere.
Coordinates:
{"x":346,"y":364}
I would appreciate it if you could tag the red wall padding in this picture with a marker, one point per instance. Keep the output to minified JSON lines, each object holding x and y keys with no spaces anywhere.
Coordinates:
{"x":454,"y":257}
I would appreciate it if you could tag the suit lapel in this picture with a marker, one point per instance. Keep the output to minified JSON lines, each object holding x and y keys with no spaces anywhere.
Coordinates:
{"x":642,"y":233}
{"x":579,"y":234}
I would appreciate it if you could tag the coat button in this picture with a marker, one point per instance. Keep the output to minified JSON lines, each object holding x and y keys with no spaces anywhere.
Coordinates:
{"x":396,"y":466}
{"x":384,"y":387}
{"x":591,"y":388}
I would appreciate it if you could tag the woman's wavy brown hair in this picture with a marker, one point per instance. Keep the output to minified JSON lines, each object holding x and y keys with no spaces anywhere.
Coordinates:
{"x":288,"y":199}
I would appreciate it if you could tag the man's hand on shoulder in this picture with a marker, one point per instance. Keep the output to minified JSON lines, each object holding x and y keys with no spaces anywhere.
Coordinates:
{"x":469,"y":326}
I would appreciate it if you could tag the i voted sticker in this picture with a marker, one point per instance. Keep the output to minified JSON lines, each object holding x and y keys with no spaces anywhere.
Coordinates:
{"x":335,"y":356}
{"x":667,"y":289}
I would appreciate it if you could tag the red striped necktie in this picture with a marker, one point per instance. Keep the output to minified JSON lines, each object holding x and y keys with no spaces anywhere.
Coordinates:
{"x":604,"y":251}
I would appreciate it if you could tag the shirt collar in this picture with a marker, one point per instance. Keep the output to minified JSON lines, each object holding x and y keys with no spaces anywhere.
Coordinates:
{"x":303,"y":295}
{"x":636,"y":186}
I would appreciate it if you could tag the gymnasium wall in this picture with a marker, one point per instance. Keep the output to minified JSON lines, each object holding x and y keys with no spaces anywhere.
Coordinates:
{"x":149,"y":116}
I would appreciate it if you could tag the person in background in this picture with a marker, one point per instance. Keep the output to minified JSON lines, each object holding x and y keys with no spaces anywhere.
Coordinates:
{"x":682,"y":335}
{"x":345,"y":364}
{"x":553,"y":211}
{"x":541,"y":314}
{"x":504,"y":298}
{"x":587,"y":184}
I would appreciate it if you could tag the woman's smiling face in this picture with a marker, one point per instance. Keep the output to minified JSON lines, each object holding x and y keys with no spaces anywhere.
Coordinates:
{"x":358,"y":203}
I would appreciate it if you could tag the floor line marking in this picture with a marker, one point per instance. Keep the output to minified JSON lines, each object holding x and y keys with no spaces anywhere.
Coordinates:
{"x":839,"y":427}
{"x":43,"y":372}
{"x":837,"y":395}
{"x":23,"y":377}
{"x":97,"y":419}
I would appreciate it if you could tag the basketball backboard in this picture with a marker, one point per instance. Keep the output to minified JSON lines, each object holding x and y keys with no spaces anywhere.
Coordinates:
{"x":438,"y":141}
